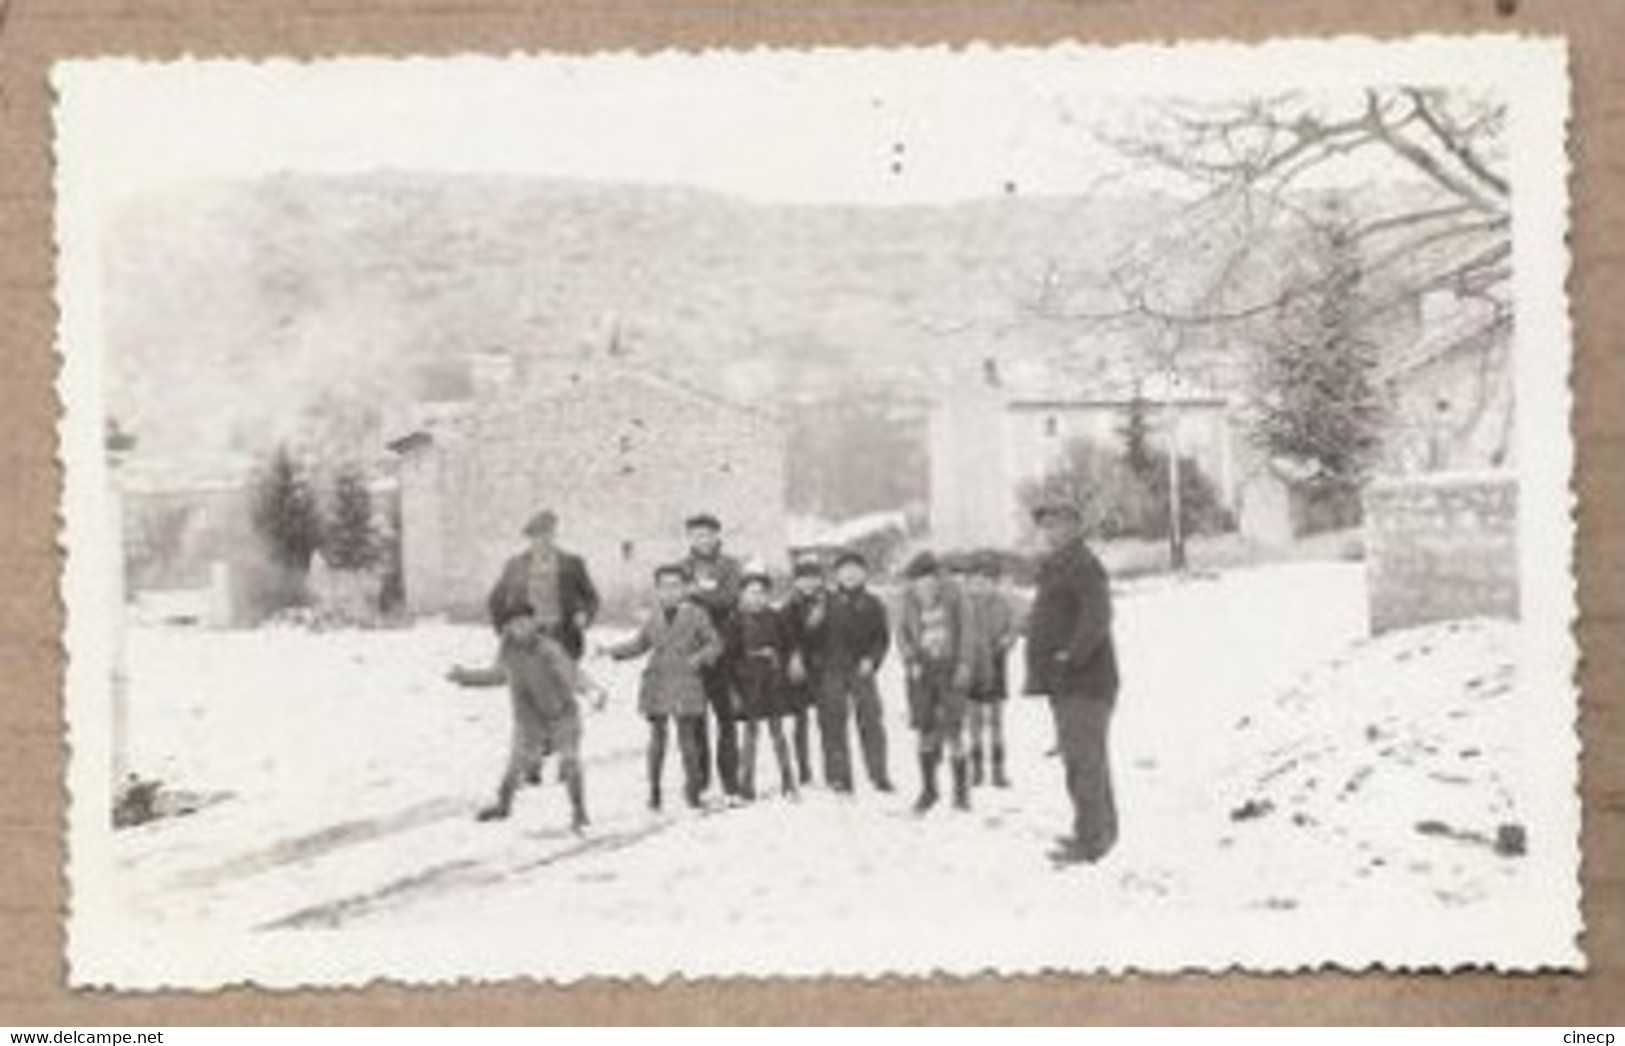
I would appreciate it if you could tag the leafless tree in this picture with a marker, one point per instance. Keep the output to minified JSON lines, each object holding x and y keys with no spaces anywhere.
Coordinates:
{"x":1257,"y":180}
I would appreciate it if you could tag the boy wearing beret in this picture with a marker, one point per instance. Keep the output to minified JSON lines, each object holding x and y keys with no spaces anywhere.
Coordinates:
{"x":931,"y":641}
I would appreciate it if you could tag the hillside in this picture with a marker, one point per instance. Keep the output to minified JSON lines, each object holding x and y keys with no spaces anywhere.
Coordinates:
{"x":241,"y":312}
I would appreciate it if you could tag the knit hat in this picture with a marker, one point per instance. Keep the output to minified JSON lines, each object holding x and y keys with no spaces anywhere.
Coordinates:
{"x":1057,"y":510}
{"x":676,"y":570}
{"x":925,"y":564}
{"x":544,"y":522}
{"x":851,"y":556}
{"x":807,"y":566}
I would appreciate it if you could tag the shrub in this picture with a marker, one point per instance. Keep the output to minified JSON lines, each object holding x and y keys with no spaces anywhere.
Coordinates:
{"x":1119,"y":500}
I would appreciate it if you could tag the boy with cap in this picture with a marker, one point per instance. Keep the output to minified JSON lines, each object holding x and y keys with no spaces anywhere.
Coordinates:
{"x":990,"y":631}
{"x":852,"y":644}
{"x":714,"y":579}
{"x":804,"y":615}
{"x":930,"y":639}
{"x":544,"y":684}
{"x":758,"y":650}
{"x":681,"y":644}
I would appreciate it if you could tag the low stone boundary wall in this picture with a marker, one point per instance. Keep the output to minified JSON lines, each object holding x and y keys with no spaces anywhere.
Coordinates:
{"x":1441,"y":547}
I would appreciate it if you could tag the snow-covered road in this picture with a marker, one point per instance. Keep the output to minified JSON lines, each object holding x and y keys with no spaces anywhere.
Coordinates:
{"x":349,"y":773}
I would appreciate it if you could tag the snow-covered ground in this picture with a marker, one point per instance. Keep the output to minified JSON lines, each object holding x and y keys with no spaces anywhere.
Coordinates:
{"x":1279,"y":776}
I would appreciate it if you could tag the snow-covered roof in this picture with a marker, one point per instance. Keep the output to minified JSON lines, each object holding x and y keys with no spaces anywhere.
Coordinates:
{"x":811,"y":533}
{"x":185,"y":473}
{"x":1049,"y":387}
{"x":1441,"y":336}
{"x":450,"y":417}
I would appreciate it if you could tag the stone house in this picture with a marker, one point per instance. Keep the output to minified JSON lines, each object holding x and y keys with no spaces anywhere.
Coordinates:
{"x":623,"y":454}
{"x":1442,"y":521}
{"x":993,"y":432}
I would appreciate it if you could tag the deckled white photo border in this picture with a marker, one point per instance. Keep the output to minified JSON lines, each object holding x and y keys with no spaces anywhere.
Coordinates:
{"x":1532,"y":74}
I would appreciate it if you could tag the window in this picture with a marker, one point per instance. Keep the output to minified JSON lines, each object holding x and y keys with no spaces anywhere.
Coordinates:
{"x":628,"y":550}
{"x":1052,"y":426}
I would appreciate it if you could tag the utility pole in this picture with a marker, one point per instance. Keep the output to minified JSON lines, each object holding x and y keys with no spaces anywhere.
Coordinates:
{"x":1176,"y":527}
{"x":117,"y":443}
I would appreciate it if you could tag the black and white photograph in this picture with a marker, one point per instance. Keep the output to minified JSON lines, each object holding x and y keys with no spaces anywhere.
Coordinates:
{"x":818,"y":512}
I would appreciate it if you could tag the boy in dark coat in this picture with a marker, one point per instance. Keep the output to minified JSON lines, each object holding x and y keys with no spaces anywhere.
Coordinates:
{"x":681,"y":645}
{"x":758,"y":650}
{"x":930,"y":640}
{"x":851,"y":645}
{"x":714,"y":585}
{"x":804,"y":614}
{"x":1072,"y":661}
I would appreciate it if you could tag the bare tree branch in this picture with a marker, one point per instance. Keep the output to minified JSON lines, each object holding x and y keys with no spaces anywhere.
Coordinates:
{"x":1423,"y":160}
{"x":1457,"y":145}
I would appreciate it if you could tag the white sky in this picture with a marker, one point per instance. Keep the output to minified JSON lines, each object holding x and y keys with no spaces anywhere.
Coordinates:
{"x":793,"y":126}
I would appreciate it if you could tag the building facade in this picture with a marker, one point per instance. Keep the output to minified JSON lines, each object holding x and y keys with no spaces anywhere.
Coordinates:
{"x":623,"y":455}
{"x":990,"y":437}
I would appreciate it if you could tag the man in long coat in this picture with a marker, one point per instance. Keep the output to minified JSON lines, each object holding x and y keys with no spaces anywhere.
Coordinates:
{"x":1072,"y":661}
{"x":541,"y":608}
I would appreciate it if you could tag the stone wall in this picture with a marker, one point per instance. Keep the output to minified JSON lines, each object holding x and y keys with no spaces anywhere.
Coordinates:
{"x":622,"y":460}
{"x":1440,"y":547}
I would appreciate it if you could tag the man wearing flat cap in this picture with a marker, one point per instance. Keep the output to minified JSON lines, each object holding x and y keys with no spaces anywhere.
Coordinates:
{"x":1071,"y":660}
{"x":714,"y":584}
{"x":541,"y":608}
{"x":547,"y":588}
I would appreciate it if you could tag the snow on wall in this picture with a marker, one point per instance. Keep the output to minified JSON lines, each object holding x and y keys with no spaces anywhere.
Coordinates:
{"x":1441,"y":547}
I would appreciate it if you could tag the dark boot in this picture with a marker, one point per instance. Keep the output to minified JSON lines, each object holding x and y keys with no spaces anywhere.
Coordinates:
{"x":656,"y":768}
{"x":787,"y":765}
{"x":976,"y":766}
{"x":999,"y":779}
{"x":578,"y":800}
{"x":745,"y":771}
{"x":499,"y":810}
{"x":929,"y":761}
{"x":961,"y":784}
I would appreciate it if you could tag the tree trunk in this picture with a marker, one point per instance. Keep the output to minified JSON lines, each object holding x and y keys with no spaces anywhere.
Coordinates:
{"x":1176,"y":529}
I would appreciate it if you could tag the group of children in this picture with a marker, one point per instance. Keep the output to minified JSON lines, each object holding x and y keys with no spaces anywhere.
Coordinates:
{"x":815,"y":655}
{"x":817,"y":651}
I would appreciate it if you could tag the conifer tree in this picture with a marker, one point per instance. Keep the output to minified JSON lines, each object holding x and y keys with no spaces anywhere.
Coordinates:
{"x":285,"y":515}
{"x":350,"y":541}
{"x":1315,"y":396}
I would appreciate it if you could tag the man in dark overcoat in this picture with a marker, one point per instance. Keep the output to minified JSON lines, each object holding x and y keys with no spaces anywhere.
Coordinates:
{"x":1072,"y":661}
{"x":714,"y":581}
